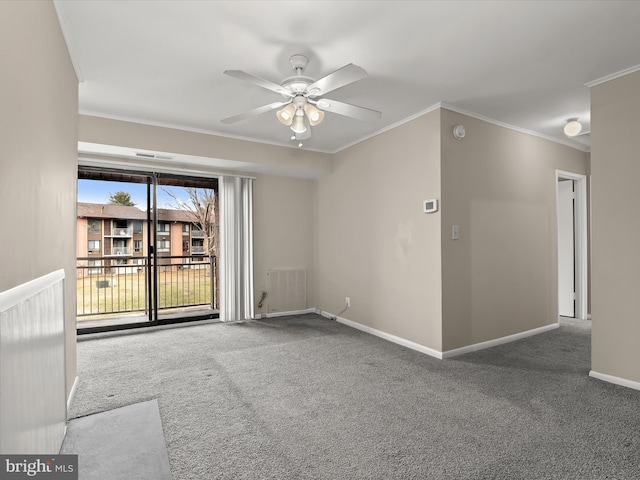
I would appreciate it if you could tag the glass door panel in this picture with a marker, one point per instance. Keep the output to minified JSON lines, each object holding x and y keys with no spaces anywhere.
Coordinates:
{"x":113,"y":271}
{"x":186,"y":235}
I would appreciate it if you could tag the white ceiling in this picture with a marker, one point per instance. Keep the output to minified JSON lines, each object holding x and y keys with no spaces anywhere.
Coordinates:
{"x":519,"y":63}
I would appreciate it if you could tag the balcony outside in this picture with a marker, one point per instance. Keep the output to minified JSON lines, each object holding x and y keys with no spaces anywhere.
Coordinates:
{"x":105,"y":290}
{"x":116,"y":251}
{"x":121,"y":232}
{"x":115,"y":237}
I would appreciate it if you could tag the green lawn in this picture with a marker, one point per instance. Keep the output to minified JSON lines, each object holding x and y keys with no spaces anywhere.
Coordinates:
{"x":101,"y":294}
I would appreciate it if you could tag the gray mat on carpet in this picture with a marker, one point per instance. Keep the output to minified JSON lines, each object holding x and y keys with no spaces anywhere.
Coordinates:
{"x":122,"y":444}
{"x":305,"y":397}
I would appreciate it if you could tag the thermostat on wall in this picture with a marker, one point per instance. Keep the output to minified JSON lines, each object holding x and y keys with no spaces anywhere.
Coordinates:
{"x":430,"y":205}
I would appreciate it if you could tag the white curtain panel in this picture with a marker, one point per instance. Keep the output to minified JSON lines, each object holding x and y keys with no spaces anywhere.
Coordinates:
{"x":236,"y":249}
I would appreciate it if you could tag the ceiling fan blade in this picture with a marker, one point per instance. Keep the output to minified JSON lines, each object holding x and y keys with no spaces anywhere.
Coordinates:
{"x":261,"y":82}
{"x":343,"y":76}
{"x":348,"y":110}
{"x":255,"y":111}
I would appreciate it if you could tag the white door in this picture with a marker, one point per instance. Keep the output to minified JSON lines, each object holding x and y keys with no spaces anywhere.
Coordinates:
{"x":566,"y":249}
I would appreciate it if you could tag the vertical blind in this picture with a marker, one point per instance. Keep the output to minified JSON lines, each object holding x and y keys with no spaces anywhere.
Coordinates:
{"x":236,"y":249}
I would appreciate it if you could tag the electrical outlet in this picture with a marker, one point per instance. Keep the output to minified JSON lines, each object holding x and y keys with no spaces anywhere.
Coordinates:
{"x":347,"y":301}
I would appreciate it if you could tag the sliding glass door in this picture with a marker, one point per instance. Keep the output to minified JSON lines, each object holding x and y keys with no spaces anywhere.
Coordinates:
{"x":186,"y":218}
{"x":146,"y":248}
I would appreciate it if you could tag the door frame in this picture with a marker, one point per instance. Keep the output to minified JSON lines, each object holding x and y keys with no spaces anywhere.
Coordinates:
{"x":152,"y":301}
{"x":581,"y":238}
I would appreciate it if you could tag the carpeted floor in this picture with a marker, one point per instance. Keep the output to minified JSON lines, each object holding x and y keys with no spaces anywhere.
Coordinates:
{"x":307,"y":398}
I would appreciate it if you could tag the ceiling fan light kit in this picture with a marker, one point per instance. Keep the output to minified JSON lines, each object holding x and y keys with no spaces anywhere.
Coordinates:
{"x":314,"y":115}
{"x":298,"y":125}
{"x":286,"y":114}
{"x":303,"y":110}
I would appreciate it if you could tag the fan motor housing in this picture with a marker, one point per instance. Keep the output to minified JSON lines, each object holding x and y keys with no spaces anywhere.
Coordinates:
{"x":297,"y":84}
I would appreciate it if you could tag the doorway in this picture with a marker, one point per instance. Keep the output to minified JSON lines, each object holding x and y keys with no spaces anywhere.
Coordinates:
{"x":146,"y":249}
{"x":571,"y":207}
{"x":566,"y":249}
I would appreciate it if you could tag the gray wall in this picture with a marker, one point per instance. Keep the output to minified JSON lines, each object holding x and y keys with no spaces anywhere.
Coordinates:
{"x":38,"y":154}
{"x":615,"y":227}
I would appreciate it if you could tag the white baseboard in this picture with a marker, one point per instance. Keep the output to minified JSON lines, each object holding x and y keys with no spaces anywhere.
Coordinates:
{"x":616,"y":380}
{"x":498,"y":341}
{"x":435,"y":353}
{"x":286,"y":314}
{"x":72,"y":394}
{"x":385,"y":336}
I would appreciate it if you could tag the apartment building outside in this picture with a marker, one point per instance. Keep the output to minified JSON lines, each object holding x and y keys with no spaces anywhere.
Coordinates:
{"x":114,"y":278}
{"x":117,"y":235}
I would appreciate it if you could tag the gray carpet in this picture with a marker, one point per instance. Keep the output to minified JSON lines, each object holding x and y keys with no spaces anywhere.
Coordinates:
{"x":307,"y":398}
{"x":125,"y":443}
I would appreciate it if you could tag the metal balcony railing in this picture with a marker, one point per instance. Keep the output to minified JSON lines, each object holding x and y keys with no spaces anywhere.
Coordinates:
{"x":182,"y":281}
{"x":197,"y":249}
{"x":196,"y":233}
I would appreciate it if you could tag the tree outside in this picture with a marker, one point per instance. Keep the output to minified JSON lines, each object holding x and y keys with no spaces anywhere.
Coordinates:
{"x":202,"y":208}
{"x":121,"y":198}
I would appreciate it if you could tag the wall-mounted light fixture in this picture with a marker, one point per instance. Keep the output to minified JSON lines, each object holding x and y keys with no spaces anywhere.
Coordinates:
{"x":572,"y":127}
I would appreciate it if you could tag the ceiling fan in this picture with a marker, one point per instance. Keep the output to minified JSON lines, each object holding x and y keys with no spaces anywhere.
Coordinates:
{"x":305,"y":104}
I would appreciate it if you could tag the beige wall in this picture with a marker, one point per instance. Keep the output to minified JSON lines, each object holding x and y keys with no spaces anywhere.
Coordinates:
{"x":374,"y":243}
{"x":139,"y":136}
{"x":403,"y":272}
{"x":615,"y":227}
{"x":283,"y":230}
{"x":38,"y":154}
{"x":499,"y":187}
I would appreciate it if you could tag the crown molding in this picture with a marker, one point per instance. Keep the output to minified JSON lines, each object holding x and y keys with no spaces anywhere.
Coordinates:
{"x":568,"y":143}
{"x":66,"y":33}
{"x":124,"y":118}
{"x":612,"y":76}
